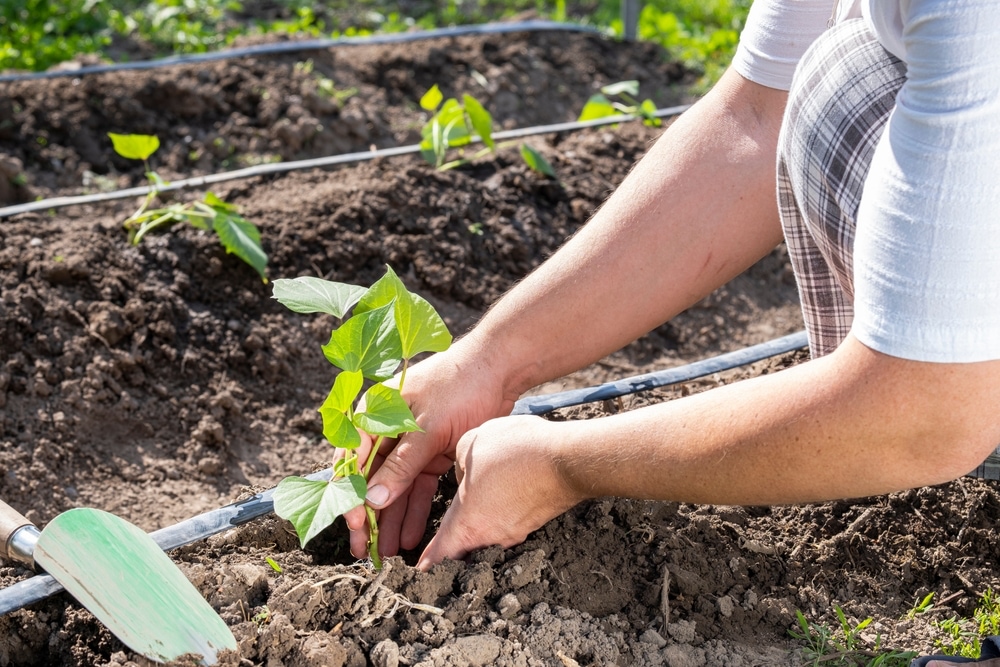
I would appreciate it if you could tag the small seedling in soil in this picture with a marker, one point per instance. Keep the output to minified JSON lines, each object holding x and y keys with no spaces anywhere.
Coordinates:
{"x":846,"y":646}
{"x":388,"y":327}
{"x":964,"y":635}
{"x":602,"y":105}
{"x":453,"y":125}
{"x":238,"y":235}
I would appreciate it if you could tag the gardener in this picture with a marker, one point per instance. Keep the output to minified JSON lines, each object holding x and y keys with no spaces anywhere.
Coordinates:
{"x":888,"y":173}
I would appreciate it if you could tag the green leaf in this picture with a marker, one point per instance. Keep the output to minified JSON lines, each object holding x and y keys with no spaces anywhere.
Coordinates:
{"x":219,"y":204}
{"x":241,"y":237}
{"x":431,"y":99}
{"x":307,"y":294}
{"x":537,"y":161}
{"x":385,"y":413}
{"x":135,"y":146}
{"x":338,"y":429}
{"x":627,"y":87}
{"x":482,"y":121}
{"x":367,"y":342}
{"x":452,"y":118}
{"x":311,"y":505}
{"x":647,"y":110}
{"x":337,"y":426}
{"x":420,"y":327}
{"x":597,"y":106}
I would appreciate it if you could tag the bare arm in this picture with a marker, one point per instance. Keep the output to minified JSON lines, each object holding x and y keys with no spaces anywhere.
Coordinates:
{"x":852,"y":424}
{"x":696,"y":211}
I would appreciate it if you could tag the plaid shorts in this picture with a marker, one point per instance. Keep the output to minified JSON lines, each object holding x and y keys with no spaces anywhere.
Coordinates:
{"x":843,"y":90}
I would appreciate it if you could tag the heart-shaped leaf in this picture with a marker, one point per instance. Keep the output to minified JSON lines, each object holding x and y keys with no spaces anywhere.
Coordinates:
{"x":597,"y":106}
{"x":312,"y":505}
{"x":431,"y":99}
{"x":134,"y":146}
{"x":482,"y":121}
{"x":307,"y":294}
{"x":242,"y":238}
{"x":385,"y":413}
{"x":420,"y":327}
{"x":337,"y":426}
{"x":367,"y":342}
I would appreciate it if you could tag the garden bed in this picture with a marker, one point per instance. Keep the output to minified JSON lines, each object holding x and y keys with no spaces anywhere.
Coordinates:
{"x":160,"y":381}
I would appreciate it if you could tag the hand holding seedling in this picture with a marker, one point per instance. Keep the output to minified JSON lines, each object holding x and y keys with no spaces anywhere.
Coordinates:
{"x":449,"y":394}
{"x":389,"y":326}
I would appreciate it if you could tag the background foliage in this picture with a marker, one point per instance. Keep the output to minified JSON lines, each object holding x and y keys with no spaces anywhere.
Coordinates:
{"x":37,"y":34}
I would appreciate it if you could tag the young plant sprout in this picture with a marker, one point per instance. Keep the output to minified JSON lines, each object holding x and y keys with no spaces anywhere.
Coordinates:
{"x":601,"y":106}
{"x":453,"y":125}
{"x":238,"y":235}
{"x":389,"y":326}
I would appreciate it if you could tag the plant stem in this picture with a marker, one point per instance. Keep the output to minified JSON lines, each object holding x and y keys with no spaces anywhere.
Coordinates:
{"x":373,"y":538}
{"x":372,"y":520}
{"x":371,"y":456}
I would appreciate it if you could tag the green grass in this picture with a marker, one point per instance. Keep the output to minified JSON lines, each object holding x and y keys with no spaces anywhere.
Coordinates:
{"x":37,"y":34}
{"x":847,"y":645}
{"x":962,"y":636}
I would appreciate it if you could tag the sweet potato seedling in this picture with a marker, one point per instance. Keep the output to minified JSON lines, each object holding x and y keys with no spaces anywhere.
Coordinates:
{"x":454,"y":123}
{"x":602,"y":105}
{"x":388,"y":327}
{"x":237,"y":235}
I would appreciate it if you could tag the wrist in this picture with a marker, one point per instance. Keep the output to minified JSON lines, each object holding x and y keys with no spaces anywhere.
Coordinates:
{"x":498,"y":362}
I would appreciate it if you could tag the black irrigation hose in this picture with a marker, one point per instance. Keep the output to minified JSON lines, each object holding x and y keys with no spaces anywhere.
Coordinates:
{"x":213,"y":522}
{"x":310,"y":45}
{"x":282,"y":167}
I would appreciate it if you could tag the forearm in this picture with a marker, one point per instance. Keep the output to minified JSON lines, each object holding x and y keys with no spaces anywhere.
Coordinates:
{"x":695,"y":212}
{"x":849,"y":425}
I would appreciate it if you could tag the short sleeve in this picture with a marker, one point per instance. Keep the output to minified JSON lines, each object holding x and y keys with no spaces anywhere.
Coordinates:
{"x":927,"y":249}
{"x":776,"y":34}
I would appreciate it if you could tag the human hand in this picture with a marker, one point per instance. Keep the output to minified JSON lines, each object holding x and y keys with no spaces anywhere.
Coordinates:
{"x":449,"y":393}
{"x":509,"y":484}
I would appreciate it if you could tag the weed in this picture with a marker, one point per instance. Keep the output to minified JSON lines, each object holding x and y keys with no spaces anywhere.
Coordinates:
{"x":388,"y":327}
{"x":845,"y":646}
{"x":236,"y":234}
{"x":273,"y":563}
{"x":963,"y":635}
{"x":921,"y":607}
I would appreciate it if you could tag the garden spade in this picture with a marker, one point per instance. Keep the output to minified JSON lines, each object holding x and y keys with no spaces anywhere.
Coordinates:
{"x":123,"y":577}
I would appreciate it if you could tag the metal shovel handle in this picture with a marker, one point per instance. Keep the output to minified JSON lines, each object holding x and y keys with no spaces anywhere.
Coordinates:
{"x":18,"y":535}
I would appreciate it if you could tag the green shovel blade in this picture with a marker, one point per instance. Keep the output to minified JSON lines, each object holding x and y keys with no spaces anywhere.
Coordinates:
{"x":121,"y":576}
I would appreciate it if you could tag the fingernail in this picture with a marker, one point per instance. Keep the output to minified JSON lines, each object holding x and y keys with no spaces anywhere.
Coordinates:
{"x":377,"y":495}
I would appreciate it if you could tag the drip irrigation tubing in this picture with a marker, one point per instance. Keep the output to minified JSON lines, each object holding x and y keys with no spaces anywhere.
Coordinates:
{"x":344,"y":158}
{"x":310,"y":45}
{"x":40,"y":586}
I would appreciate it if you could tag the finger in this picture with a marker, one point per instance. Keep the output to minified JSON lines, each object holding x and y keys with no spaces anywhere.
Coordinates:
{"x":359,"y":541}
{"x":449,"y":541}
{"x":408,"y":459}
{"x":418,"y":509}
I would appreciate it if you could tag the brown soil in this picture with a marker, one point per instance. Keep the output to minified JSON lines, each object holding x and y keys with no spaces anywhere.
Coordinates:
{"x":160,"y":381}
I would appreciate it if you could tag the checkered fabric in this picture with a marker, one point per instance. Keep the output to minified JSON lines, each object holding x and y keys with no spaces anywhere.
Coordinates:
{"x":844,"y":88}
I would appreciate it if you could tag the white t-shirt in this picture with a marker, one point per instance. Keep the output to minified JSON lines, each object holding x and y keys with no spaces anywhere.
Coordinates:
{"x":927,"y":247}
